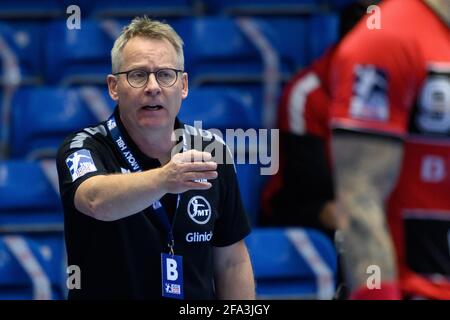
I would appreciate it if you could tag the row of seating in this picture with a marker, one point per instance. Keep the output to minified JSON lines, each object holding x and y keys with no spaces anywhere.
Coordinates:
{"x":217,"y":49}
{"x":41,"y":117}
{"x":29,"y":196}
{"x":32,"y":266}
{"x":11,"y":9}
{"x":292,"y":263}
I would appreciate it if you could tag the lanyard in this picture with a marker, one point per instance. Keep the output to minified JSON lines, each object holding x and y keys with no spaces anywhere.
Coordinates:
{"x":134,"y":166}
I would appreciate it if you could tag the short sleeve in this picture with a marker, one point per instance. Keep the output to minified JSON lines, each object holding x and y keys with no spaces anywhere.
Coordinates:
{"x":77,"y":160}
{"x":304,"y":105}
{"x":373,"y":79}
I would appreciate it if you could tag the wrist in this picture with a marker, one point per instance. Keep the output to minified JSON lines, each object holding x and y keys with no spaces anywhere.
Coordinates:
{"x":158,"y":177}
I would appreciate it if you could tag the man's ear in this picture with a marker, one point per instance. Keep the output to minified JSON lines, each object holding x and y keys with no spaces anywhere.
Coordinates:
{"x":112,"y":87}
{"x":185,"y":84}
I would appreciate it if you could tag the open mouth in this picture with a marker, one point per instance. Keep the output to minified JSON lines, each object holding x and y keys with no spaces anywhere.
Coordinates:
{"x":153,"y":107}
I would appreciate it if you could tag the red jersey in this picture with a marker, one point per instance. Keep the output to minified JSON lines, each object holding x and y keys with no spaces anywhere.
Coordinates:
{"x":304,"y":106}
{"x":396,"y":81}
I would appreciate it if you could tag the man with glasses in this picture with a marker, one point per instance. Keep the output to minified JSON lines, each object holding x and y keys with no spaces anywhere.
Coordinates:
{"x":143,"y":221}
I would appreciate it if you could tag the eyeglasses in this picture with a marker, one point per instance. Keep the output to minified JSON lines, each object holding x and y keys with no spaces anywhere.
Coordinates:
{"x":137,"y":78}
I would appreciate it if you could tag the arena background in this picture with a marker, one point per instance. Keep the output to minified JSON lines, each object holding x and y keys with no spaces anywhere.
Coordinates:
{"x":54,"y":60}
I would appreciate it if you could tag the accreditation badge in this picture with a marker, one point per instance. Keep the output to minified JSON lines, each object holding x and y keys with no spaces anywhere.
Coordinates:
{"x":172,"y":276}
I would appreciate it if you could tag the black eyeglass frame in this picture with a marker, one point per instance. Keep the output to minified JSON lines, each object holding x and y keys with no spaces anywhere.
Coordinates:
{"x":148,"y":76}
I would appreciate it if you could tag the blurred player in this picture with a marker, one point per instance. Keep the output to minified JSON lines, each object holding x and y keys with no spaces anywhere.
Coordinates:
{"x":391,"y":126}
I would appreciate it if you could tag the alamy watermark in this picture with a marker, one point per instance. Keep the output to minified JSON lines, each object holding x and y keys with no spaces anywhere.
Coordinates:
{"x":74,"y":277}
{"x":74,"y":20}
{"x":374,"y":280}
{"x":374,"y":20}
{"x":251,"y":146}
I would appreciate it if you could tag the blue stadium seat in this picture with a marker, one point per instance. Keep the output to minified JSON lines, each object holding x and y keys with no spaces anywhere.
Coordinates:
{"x":28,"y":44}
{"x":13,"y":9}
{"x":4,"y":132}
{"x":80,"y":56}
{"x":292,"y":263}
{"x":250,"y":185}
{"x":300,"y":40}
{"x":289,"y":37}
{"x":324,"y":32}
{"x":263,"y":7}
{"x":219,"y":108}
{"x":11,"y":70}
{"x":132,"y":8}
{"x":43,"y":117}
{"x":217,"y":51}
{"x":29,"y":198}
{"x":26,"y":256}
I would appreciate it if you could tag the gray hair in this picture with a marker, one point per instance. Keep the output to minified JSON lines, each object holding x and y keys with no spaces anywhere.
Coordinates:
{"x":152,"y":29}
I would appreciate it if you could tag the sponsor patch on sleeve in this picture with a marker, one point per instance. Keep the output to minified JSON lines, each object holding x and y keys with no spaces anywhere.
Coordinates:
{"x":370,"y":99}
{"x":79,"y":163}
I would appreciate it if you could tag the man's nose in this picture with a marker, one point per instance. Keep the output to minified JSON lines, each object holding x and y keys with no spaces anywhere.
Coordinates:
{"x":152,"y":87}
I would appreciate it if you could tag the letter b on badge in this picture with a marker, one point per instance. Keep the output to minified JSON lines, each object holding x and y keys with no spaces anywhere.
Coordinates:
{"x":171,"y":269}
{"x":172,"y":276}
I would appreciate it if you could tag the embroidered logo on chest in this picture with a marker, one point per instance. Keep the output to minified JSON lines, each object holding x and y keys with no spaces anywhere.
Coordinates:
{"x":199,"y":210}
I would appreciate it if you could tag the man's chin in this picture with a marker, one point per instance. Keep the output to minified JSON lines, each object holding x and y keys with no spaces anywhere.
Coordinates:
{"x":154,"y":123}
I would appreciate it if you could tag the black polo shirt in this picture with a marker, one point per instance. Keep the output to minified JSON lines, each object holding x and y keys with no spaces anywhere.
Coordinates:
{"x":122,"y":258}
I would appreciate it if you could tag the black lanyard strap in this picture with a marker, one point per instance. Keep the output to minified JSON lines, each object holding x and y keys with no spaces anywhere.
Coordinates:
{"x":134,"y":166}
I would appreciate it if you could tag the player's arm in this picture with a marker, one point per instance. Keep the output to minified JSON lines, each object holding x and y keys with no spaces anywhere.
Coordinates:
{"x":116,"y":196}
{"x":372,"y":81}
{"x":366,"y":168}
{"x":233,"y":272}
